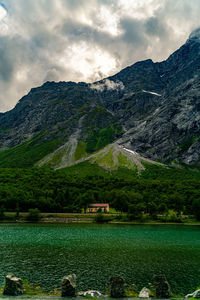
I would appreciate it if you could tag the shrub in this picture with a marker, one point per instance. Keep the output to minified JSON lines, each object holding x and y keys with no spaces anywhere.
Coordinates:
{"x":100,"y":218}
{"x":174,"y":218}
{"x":119,"y":217}
{"x":135,"y":211}
{"x":33,"y":215}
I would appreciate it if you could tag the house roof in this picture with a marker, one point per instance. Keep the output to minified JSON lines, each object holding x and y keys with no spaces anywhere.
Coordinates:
{"x":99,"y":205}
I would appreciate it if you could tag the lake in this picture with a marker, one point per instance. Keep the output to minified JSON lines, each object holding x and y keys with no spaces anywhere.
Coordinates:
{"x":44,"y":253}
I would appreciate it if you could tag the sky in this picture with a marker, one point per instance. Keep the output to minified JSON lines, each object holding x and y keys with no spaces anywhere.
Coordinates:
{"x":85,"y":40}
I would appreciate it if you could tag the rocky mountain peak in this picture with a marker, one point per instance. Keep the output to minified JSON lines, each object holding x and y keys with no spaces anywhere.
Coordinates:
{"x":195,"y":35}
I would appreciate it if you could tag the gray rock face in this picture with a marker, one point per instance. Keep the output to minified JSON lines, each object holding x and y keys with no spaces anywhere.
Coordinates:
{"x":117,"y":287}
{"x":14,"y":286}
{"x":95,"y":294}
{"x":196,"y":294}
{"x":144,"y":293}
{"x":69,"y":286}
{"x":54,"y":107}
{"x":171,"y":131}
{"x":162,"y":287}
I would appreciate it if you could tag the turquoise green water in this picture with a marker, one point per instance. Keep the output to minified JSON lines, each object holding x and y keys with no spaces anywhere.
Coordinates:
{"x":43,"y":254}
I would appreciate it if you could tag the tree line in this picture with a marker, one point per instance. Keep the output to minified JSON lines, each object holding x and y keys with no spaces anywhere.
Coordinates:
{"x":60,"y":191}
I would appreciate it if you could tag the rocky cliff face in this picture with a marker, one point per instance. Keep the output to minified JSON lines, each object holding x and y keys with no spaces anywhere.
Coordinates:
{"x":171,"y":131}
{"x":151,"y":108}
{"x":53,"y":111}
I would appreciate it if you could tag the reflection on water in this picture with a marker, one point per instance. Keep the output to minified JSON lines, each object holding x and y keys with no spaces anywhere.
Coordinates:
{"x":43,"y":254}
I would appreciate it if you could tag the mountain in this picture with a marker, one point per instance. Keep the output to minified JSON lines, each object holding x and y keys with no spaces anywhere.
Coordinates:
{"x":151,"y":109}
{"x":112,"y":157}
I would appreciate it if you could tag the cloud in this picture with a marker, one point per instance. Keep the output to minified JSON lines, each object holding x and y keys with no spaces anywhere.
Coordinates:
{"x":85,"y":40}
{"x":107,"y":84}
{"x":3,"y":12}
{"x":155,"y":27}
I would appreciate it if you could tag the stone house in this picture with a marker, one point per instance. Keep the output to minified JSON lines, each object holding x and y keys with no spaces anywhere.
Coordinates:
{"x":96,"y":207}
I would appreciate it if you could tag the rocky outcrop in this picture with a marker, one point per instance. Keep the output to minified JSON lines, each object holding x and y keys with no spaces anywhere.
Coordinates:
{"x":117,"y":289}
{"x":92,"y":293}
{"x":69,"y":286}
{"x":196,"y":294}
{"x":162,"y":288}
{"x":144,"y":293}
{"x":170,"y":132}
{"x":14,"y":286}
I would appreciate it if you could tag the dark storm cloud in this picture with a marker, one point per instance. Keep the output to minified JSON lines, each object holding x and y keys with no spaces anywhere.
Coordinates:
{"x":133,"y":31}
{"x":155,"y":27}
{"x":83,"y":40}
{"x":132,"y":36}
{"x":7,"y":64}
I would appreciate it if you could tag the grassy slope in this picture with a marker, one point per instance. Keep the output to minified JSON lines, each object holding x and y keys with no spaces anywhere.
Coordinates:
{"x":152,"y":172}
{"x":169,"y":173}
{"x":27,"y":154}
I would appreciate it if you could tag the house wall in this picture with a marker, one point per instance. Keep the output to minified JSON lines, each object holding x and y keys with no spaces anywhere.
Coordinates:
{"x":95,"y":209}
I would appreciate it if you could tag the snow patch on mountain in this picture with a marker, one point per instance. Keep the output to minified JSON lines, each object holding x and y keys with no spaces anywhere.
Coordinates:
{"x":152,"y":93}
{"x":131,"y":151}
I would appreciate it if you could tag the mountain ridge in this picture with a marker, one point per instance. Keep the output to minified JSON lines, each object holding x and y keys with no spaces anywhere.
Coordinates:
{"x":150,"y":108}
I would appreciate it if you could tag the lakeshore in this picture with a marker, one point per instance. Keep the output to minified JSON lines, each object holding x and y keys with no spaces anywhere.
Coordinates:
{"x":65,"y":218}
{"x":42,"y":297}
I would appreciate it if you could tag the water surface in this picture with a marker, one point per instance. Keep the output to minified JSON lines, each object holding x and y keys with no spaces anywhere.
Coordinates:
{"x":43,"y":254}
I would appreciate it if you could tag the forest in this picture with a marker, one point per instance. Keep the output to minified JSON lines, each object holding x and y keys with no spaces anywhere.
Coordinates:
{"x":154,"y":191}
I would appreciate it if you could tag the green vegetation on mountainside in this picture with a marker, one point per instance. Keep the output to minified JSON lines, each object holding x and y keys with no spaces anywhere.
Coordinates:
{"x":27,"y":154}
{"x":152,"y":172}
{"x":35,"y":150}
{"x":169,"y":173}
{"x":123,"y":162}
{"x":106,"y":159}
{"x":80,"y":151}
{"x":101,"y":138}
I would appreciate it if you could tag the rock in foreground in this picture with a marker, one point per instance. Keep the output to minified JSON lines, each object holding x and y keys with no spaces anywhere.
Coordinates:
{"x":117,"y":287}
{"x":162,"y":287}
{"x":95,"y":294}
{"x":144,"y":293}
{"x":196,"y":294}
{"x":69,"y":286}
{"x":14,"y":286}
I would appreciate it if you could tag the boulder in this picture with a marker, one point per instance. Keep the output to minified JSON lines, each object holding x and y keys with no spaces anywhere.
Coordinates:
{"x":94,"y":294}
{"x":14,"y":286}
{"x":196,"y":294}
{"x":162,"y":287}
{"x":69,"y":286}
{"x":117,"y":289}
{"x":144,"y":293}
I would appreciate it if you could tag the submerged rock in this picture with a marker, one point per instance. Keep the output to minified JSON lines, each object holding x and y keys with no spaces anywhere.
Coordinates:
{"x":196,"y":294}
{"x":69,"y":286}
{"x":95,"y":294}
{"x":117,"y":287}
{"x":14,"y":286}
{"x":144,"y":293}
{"x":162,"y":287}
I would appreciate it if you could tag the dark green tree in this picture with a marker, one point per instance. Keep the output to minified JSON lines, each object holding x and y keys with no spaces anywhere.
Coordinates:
{"x":196,"y":209}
